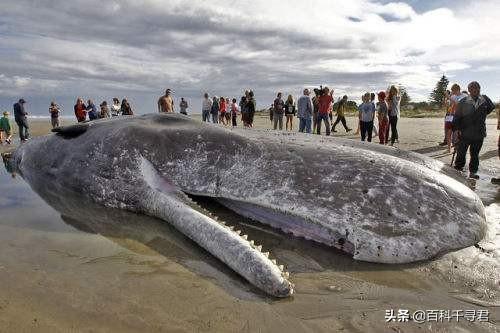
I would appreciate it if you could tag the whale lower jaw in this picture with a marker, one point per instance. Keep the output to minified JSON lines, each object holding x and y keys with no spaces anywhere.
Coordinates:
{"x":165,"y":201}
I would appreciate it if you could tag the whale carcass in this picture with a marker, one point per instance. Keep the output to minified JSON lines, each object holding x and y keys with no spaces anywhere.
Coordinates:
{"x":376,"y":203}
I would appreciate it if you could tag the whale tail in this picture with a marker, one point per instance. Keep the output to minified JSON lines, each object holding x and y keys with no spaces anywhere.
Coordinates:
{"x":166,"y":202}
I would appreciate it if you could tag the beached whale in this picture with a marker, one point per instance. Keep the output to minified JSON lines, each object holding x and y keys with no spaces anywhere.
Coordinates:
{"x":376,"y":203}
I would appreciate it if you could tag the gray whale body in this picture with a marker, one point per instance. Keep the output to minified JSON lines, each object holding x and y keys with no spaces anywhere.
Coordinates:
{"x":376,"y":203}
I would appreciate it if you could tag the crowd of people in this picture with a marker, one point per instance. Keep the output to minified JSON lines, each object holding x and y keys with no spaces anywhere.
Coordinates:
{"x":225,"y":110}
{"x":320,"y":109}
{"x":90,"y":112}
{"x":464,"y":122}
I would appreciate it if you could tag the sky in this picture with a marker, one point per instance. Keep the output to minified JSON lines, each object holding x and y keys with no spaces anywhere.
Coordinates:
{"x":59,"y":50}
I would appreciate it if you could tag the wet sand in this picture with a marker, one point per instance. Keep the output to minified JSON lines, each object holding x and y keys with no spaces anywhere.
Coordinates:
{"x":108,"y":270}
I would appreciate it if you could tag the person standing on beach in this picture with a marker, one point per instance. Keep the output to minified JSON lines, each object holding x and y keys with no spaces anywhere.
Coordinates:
{"x":104,"y":110}
{"x":183,"y":105}
{"x":341,"y":115}
{"x":304,"y":112}
{"x":455,"y":97}
{"x":5,"y":128}
{"x":470,"y":123}
{"x":372,"y":99}
{"x":234,"y":112}
{"x":243,"y":109}
{"x":366,"y":116}
{"x":279,"y":106}
{"x":54,"y":114}
{"x":228,"y":111}
{"x":215,"y":110}
{"x":496,"y":180}
{"x":393,"y":102}
{"x":290,"y":111}
{"x":383,"y":118}
{"x":251,"y":105}
{"x":116,"y":107}
{"x":20,"y":116}
{"x":126,"y":109}
{"x":222,"y":111}
{"x":206,"y":107}
{"x":315,"y":101}
{"x":92,"y":110}
{"x":166,"y":102}
{"x":325,"y":105}
{"x":80,"y":110}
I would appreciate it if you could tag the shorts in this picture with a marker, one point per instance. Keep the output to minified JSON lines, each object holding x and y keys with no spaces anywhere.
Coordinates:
{"x":448,"y":125}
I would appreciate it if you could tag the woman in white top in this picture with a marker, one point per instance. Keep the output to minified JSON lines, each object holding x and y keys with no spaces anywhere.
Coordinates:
{"x":116,"y":107}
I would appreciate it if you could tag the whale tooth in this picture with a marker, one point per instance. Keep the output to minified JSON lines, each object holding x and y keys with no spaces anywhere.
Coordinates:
{"x":252,"y":243}
{"x":281,"y":267}
{"x":274,"y":261}
{"x":259,"y":248}
{"x":245,"y":237}
{"x":231,"y":228}
{"x":266,"y":254}
{"x":238,"y":232}
{"x":286,"y":275}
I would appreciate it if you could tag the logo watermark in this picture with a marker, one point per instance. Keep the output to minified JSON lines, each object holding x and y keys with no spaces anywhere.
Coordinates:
{"x":438,"y":316}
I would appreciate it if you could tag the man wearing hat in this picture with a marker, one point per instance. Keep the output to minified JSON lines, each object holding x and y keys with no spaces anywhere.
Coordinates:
{"x":166,"y":102}
{"x":5,"y":128}
{"x":21,"y":119}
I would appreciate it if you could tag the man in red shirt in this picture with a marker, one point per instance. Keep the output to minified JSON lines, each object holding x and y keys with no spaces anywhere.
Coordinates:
{"x":325,"y":105}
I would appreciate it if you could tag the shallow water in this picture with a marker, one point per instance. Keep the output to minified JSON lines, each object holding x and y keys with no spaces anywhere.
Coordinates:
{"x":79,"y":266}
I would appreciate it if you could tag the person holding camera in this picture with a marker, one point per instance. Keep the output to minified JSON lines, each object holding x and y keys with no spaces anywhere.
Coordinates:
{"x":324,"y":108}
{"x":54,"y":114}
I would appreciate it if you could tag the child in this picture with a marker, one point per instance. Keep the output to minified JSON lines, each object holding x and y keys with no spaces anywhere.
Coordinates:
{"x":5,"y":127}
{"x":341,"y":115}
{"x":383,"y":118}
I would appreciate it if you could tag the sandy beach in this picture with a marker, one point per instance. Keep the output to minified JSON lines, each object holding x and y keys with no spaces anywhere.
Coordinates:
{"x":105,"y":270}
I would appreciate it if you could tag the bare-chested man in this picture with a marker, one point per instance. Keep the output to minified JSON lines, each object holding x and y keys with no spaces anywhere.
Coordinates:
{"x":166,"y":102}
